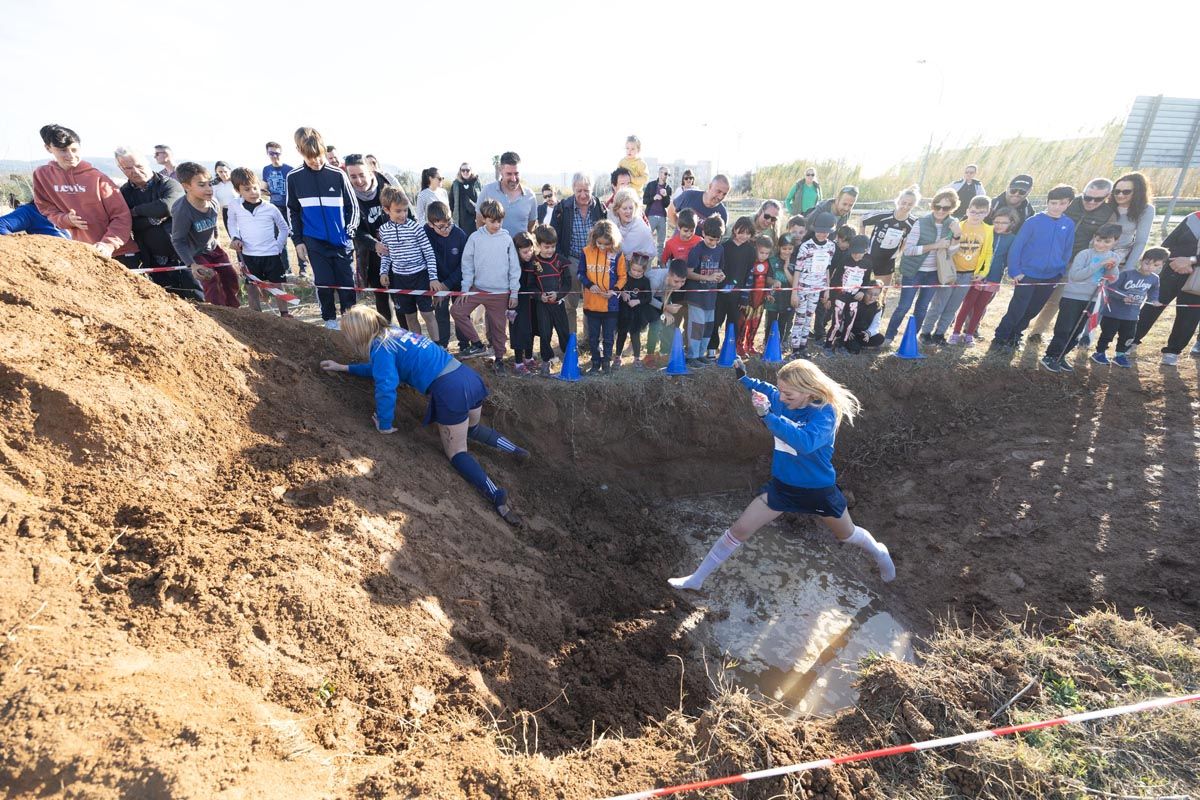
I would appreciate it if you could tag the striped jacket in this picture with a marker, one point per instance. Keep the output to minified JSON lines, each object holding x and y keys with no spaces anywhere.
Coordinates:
{"x":409,"y":250}
{"x":321,"y":205}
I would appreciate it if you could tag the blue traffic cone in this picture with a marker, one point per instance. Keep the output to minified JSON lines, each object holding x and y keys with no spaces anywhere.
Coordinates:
{"x":677,"y":365}
{"x":728,"y":348}
{"x":908,"y":345}
{"x":772,"y":352}
{"x":570,"y":367}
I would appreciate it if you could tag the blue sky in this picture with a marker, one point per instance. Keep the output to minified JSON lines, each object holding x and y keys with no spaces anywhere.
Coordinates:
{"x":563,"y":85}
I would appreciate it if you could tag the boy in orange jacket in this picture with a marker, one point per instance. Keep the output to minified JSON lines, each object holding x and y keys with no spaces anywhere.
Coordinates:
{"x":80,"y":199}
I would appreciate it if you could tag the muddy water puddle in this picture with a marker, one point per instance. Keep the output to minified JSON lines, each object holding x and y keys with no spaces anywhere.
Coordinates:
{"x":784,"y":610}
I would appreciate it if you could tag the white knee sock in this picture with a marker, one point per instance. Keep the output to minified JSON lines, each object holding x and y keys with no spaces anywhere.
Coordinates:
{"x":863,"y":538}
{"x":723,"y":549}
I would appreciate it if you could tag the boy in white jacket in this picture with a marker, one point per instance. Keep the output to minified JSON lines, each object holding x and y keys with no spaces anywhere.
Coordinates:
{"x":489,"y":266}
{"x":259,"y":233}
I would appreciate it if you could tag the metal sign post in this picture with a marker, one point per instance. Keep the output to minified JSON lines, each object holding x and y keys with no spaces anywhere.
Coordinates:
{"x":1162,"y":132}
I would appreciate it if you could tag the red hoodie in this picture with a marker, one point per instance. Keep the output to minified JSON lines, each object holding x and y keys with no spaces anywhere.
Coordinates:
{"x":92,"y":195}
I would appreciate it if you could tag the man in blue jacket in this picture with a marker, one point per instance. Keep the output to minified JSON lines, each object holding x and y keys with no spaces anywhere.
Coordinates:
{"x":1037,"y":261}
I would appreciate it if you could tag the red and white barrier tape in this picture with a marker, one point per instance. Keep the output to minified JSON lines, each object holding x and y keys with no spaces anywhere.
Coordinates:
{"x":273,"y":289}
{"x":825,"y":763}
{"x":729,"y":290}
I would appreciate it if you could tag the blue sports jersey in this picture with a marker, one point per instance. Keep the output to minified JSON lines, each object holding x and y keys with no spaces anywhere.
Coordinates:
{"x":803,"y":440}
{"x":401,"y":357}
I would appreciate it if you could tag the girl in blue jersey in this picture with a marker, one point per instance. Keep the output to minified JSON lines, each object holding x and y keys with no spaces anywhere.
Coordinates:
{"x":803,"y":413}
{"x":456,"y":394}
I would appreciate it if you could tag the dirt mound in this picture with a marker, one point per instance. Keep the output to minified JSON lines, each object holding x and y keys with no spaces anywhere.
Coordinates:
{"x":219,"y":579}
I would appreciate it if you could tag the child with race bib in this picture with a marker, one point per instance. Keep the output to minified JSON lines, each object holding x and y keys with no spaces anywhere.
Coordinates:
{"x":803,"y":414}
{"x":456,"y":394}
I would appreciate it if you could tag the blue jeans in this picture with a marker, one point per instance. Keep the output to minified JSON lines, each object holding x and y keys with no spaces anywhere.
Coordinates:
{"x":908,"y":293}
{"x":1027,"y":300}
{"x":331,"y":267}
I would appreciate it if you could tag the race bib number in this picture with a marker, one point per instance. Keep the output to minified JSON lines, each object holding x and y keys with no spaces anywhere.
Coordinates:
{"x":821,"y":260}
{"x":891,"y":239}
{"x":784,"y":447}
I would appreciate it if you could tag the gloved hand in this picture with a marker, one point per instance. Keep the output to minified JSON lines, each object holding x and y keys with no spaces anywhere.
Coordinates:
{"x":760,"y":402}
{"x":739,"y":369}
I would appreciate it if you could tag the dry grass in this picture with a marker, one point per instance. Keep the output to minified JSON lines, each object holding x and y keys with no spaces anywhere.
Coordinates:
{"x":1050,"y":162}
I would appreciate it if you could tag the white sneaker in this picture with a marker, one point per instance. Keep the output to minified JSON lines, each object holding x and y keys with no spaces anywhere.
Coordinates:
{"x":333,"y":325}
{"x":1170,"y":360}
{"x":1131,"y":349}
{"x":686,"y":582}
{"x":883,"y":560}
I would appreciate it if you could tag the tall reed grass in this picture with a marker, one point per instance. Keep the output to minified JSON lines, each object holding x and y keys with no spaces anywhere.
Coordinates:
{"x":1050,"y":162}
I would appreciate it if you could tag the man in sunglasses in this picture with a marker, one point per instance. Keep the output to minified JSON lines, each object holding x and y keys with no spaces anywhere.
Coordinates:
{"x":967,"y":188}
{"x":546,"y":207}
{"x":1016,"y":199}
{"x":1089,"y":210}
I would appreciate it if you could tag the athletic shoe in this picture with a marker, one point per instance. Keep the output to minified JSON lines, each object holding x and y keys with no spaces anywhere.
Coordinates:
{"x":888,"y":342}
{"x":1049,"y":364}
{"x":1063,"y":366}
{"x":1170,"y":359}
{"x":333,"y":325}
{"x":473,"y":349}
{"x":968,"y":339}
{"x":498,"y":367}
{"x":1121,"y":361}
{"x":544,"y":369}
{"x":925,"y":338}
{"x":505,"y":509}
{"x":616,"y":362}
{"x":940,"y":339}
{"x":605,"y":367}
{"x":594,"y":368}
{"x":531,"y":365}
{"x":1132,"y":350}
{"x":956,"y":338}
{"x":1100,"y":358}
{"x":520,"y":369}
{"x":799,"y":352}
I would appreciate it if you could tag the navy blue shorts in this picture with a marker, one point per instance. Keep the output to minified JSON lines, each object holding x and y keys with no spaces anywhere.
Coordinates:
{"x":825,"y":502}
{"x":411,"y":303}
{"x":453,"y":396}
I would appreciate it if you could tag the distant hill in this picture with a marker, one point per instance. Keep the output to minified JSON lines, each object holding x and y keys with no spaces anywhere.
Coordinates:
{"x":106,"y":164}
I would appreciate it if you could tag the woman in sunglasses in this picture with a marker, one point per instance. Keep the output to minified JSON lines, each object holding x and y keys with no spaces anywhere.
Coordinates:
{"x":805,"y":195}
{"x":1132,"y":203}
{"x":686,"y":181}
{"x":766,"y":221}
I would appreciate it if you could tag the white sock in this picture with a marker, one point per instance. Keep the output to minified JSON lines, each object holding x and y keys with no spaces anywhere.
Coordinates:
{"x":863,"y":538}
{"x":723,"y":549}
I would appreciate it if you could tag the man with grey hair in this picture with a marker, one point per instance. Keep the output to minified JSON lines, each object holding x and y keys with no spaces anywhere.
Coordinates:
{"x":572,"y":221}
{"x":704,"y":203}
{"x":1090,"y":210}
{"x":150,"y":196}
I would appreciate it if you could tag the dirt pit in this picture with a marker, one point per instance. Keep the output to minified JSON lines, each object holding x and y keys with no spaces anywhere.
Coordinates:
{"x":219,"y":581}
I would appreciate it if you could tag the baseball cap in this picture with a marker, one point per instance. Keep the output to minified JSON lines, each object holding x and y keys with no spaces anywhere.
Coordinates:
{"x":859,"y":244}
{"x":825,"y":222}
{"x":1021,"y":182}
